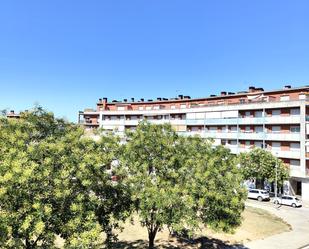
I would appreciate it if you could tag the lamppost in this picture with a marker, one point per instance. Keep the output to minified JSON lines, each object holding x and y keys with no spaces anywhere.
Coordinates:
{"x":276,"y":179}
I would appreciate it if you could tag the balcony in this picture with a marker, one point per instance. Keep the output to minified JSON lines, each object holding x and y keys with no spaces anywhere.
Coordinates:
{"x":271,"y":120}
{"x":269,"y":136}
{"x":246,"y":120}
{"x":248,"y":135}
{"x":89,"y":122}
{"x":293,"y":154}
{"x":296,"y":171}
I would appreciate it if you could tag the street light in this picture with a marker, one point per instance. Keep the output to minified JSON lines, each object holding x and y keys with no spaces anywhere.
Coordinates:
{"x":276,"y":178}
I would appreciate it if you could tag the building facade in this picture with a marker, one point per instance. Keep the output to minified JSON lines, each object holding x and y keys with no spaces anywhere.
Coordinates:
{"x":276,"y":120}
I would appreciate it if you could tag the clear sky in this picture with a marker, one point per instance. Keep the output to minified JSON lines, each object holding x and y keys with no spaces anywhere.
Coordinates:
{"x":65,"y":54}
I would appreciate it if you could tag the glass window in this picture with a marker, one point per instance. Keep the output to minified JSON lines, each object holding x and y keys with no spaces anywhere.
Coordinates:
{"x":295,"y":162}
{"x":285,"y":97}
{"x":258,"y":129}
{"x":276,"y":112}
{"x":276,"y":128}
{"x":295,"y":128}
{"x":258,"y":114}
{"x":276,"y":145}
{"x":295,"y":111}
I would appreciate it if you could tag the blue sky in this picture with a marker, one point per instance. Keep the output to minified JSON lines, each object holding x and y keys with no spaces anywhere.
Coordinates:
{"x":65,"y":55}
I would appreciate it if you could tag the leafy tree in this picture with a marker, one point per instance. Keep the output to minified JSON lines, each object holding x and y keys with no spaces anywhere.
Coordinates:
{"x":54,"y":181}
{"x":180,"y":182}
{"x":261,"y":164}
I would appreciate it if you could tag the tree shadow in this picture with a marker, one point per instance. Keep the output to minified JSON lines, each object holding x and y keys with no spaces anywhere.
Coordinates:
{"x":198,"y":243}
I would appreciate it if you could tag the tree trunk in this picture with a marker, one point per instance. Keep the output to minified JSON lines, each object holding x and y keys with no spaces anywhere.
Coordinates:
{"x":151,"y":237}
{"x":28,"y":244}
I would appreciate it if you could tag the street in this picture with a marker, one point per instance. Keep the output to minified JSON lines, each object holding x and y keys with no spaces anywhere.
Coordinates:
{"x":298,"y":218}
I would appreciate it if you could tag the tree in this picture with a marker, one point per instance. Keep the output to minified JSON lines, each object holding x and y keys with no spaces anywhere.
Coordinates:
{"x":180,"y":182}
{"x":261,"y":164}
{"x":54,"y":181}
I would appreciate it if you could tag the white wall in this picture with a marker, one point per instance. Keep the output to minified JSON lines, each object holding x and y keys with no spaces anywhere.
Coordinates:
{"x":305,"y":190}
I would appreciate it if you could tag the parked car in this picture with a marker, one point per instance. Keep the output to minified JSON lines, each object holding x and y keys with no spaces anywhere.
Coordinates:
{"x":258,"y":194}
{"x":288,"y":200}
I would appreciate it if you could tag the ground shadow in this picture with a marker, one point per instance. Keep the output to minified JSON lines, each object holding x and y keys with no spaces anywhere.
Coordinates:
{"x":199,"y":243}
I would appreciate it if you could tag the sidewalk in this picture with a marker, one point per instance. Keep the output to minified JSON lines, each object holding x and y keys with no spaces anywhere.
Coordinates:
{"x":298,"y":218}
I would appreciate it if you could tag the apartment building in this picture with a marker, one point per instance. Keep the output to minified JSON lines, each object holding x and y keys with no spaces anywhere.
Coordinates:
{"x":276,"y":120}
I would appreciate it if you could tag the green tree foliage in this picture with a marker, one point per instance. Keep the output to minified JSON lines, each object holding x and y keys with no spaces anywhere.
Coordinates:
{"x":180,"y":182}
{"x":261,"y":164}
{"x":54,"y":181}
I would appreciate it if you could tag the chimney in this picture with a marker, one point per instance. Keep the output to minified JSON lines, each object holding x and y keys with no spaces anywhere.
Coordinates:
{"x":132,"y":99}
{"x":287,"y":87}
{"x":213,"y":95}
{"x":149,"y":100}
{"x":100,"y":100}
{"x":251,"y":89}
{"x":180,"y":96}
{"x":187,"y":97}
{"x":12,"y":112}
{"x":159,"y":98}
{"x":114,"y":101}
{"x":125,"y":100}
{"x":259,"y":89}
{"x":223,"y":93}
{"x":104,"y":99}
{"x":165,"y":99}
{"x":142,"y":100}
{"x":230,"y":93}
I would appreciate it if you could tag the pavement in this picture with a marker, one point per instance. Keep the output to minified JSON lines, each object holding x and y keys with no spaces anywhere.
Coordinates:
{"x":298,"y":218}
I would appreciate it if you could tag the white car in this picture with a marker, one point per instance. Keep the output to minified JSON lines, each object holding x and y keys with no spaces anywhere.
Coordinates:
{"x":288,"y":200}
{"x":258,"y":194}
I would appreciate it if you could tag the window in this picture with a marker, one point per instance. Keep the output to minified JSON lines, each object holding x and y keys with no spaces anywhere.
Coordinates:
{"x":247,"y":144}
{"x":258,"y":144}
{"x":247,"y":129}
{"x":295,"y":111}
{"x":156,"y":107}
{"x":141,"y":108}
{"x":285,"y":97}
{"x":183,"y":106}
{"x":302,"y":96}
{"x":247,"y":114}
{"x":276,"y":128}
{"x":212,"y":128}
{"x":295,"y":129}
{"x":233,"y":142}
{"x":233,"y":128}
{"x":295,"y":162}
{"x":120,"y":108}
{"x":258,"y":129}
{"x":148,"y":107}
{"x":258,"y":114}
{"x":294,"y":146}
{"x":173,"y":107}
{"x":276,"y":146}
{"x":276,"y":112}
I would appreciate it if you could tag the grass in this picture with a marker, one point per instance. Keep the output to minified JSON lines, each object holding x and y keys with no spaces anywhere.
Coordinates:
{"x":257,"y":224}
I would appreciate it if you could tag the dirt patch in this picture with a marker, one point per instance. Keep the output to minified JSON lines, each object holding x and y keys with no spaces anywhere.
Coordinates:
{"x":257,"y":224}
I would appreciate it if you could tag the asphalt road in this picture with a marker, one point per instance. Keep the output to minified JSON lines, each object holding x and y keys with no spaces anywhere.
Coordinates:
{"x":298,"y":218}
